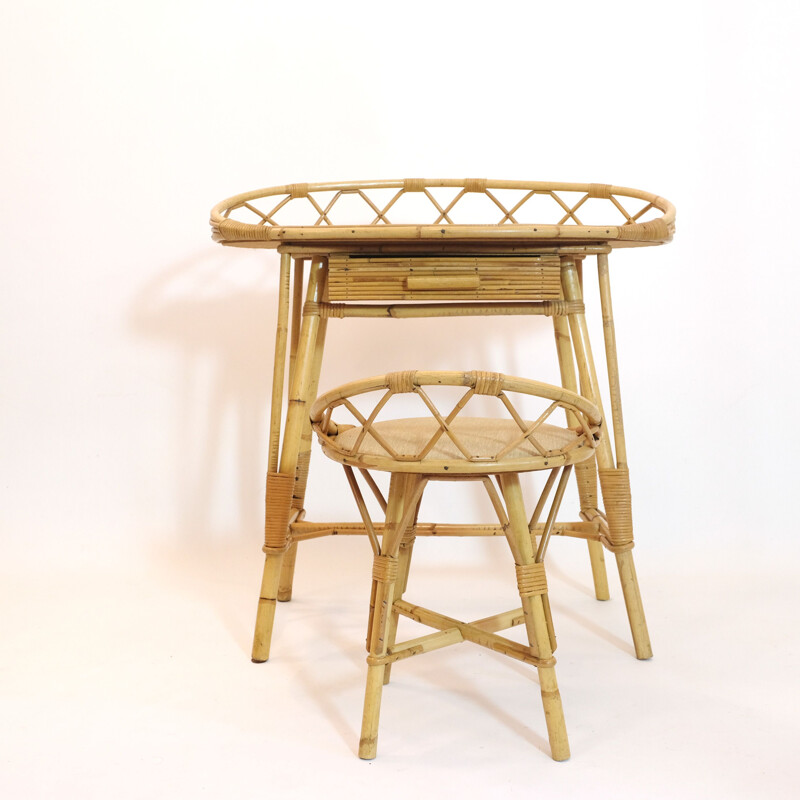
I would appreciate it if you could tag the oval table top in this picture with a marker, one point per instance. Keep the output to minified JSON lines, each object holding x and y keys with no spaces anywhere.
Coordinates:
{"x":422,"y":211}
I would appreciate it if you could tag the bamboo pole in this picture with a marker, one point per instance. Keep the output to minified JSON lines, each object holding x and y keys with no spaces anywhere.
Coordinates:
{"x":535,"y":617}
{"x":279,"y":364}
{"x":583,"y":353}
{"x":422,"y":644}
{"x":290,"y":556}
{"x":305,"y":530}
{"x":303,"y":465}
{"x":265,"y":610}
{"x":612,"y":363}
{"x":402,"y":486}
{"x":605,"y":460}
{"x":569,"y":380}
{"x":302,"y":379}
{"x":403,"y":562}
{"x":426,"y":310}
{"x":470,"y":632}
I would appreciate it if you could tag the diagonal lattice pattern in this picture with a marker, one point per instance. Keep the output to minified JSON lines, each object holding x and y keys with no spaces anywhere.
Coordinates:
{"x":450,"y":435}
{"x":611,"y":212}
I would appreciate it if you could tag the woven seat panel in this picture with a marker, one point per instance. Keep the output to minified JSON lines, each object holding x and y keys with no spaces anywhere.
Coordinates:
{"x":483,"y":438}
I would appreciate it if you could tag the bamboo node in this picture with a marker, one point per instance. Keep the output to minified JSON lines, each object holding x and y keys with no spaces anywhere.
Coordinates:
{"x":401,"y":382}
{"x":489,"y":383}
{"x":531,"y":579}
{"x":475,"y":185}
{"x":278,"y":510}
{"x":414,"y":185}
{"x":384,"y":569}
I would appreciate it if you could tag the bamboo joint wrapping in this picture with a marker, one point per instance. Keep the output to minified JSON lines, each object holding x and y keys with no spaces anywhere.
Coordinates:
{"x":279,"y":504}
{"x":531,"y":579}
{"x":616,"y":487}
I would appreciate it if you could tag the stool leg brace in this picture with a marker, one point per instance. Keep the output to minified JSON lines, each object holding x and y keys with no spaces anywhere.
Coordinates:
{"x":390,"y":573}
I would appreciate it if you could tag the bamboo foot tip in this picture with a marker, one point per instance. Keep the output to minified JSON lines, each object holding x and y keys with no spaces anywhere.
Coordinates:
{"x":368,"y":749}
{"x":259,"y":660}
{"x":284,"y":597}
{"x":561,"y":756}
{"x":645,"y":655}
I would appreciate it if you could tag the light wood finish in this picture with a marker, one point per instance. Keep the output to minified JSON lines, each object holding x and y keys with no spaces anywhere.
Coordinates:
{"x":622,"y":542}
{"x":588,"y":500}
{"x":536,"y":620}
{"x":418,"y":254}
{"x":411,"y":466}
{"x":301,"y":392}
{"x":403,"y":493}
{"x":448,"y":442}
{"x":262,"y":218}
{"x":290,"y":556}
{"x":357,"y":279}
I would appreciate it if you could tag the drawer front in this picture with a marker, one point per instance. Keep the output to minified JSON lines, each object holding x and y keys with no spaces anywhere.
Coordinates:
{"x":451,"y":278}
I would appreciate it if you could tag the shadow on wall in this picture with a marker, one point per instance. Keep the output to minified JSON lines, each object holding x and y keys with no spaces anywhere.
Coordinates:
{"x":216,"y":311}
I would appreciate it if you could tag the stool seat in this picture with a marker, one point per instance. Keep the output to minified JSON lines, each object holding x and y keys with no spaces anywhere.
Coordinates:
{"x":480,"y":437}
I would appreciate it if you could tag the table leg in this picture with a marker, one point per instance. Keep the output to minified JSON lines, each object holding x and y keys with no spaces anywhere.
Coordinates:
{"x":613,"y":477}
{"x":586,"y":472}
{"x":281,"y":485}
{"x":290,"y":556}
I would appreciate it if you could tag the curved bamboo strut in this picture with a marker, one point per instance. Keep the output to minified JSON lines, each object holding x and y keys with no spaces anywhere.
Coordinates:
{"x":268,"y":233}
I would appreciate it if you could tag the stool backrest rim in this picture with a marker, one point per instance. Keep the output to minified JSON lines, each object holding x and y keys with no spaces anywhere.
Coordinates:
{"x":509,"y":383}
{"x":463,"y":452}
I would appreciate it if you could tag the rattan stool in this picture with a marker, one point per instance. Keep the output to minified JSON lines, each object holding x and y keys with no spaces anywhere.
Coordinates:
{"x":447,"y":444}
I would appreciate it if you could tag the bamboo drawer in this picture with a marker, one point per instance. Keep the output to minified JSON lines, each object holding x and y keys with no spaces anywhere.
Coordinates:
{"x":451,"y":278}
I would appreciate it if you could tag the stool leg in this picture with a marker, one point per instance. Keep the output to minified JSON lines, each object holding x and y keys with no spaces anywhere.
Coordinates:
{"x":535,"y":618}
{"x":385,"y":579}
{"x":404,"y":567}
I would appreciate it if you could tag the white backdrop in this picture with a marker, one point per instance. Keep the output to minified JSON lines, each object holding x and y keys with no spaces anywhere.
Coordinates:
{"x":135,"y":352}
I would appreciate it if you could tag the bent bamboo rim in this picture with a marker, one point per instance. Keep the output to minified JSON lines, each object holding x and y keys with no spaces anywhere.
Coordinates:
{"x":266,"y":231}
{"x":481,"y":383}
{"x":509,"y":383}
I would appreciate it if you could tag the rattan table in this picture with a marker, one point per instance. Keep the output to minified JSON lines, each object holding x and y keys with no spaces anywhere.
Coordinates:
{"x":484,"y":247}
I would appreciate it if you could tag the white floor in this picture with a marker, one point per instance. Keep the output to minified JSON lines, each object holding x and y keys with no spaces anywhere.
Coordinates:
{"x":136,"y":682}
